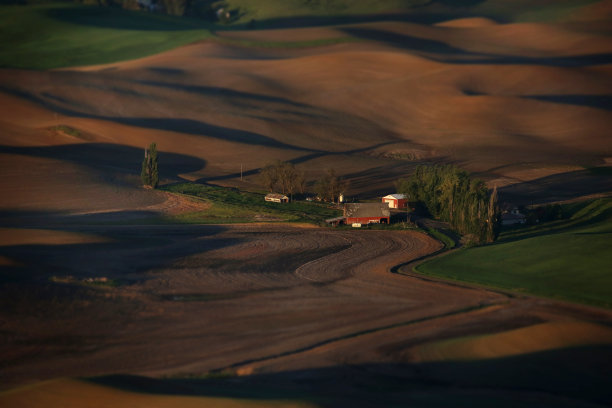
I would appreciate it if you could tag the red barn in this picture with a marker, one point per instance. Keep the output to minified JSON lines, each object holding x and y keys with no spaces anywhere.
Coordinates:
{"x":396,"y":200}
{"x":367,"y":213}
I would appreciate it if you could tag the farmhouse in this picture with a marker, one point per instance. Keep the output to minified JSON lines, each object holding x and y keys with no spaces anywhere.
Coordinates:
{"x":367,"y":213}
{"x":277,"y":198}
{"x":396,"y":200}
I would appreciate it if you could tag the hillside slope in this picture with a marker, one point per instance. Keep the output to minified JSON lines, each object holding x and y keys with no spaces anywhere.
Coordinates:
{"x":513,"y":101}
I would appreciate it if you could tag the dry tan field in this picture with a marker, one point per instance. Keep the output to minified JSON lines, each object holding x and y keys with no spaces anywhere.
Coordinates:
{"x":284,"y":315}
{"x":514,"y":102}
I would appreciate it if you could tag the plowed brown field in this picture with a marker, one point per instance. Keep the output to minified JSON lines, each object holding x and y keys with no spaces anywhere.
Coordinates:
{"x":494,"y":98}
{"x":249,"y":300}
{"x":291,"y":312}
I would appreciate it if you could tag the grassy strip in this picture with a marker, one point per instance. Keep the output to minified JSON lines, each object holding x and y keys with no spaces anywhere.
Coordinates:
{"x":230,"y":205}
{"x":448,"y":242}
{"x":66,"y":34}
{"x":568,"y":259}
{"x":264,"y":10}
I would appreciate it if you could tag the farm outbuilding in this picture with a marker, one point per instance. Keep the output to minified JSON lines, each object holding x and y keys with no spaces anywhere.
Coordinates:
{"x":277,"y":198}
{"x":396,"y":200}
{"x":367,"y":213}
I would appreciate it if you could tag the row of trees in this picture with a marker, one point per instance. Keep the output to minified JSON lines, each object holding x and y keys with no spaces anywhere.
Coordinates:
{"x":450,"y":194}
{"x":284,"y":177}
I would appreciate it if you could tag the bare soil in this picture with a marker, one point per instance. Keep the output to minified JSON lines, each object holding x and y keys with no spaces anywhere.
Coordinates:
{"x":86,"y":290}
{"x":247,"y":300}
{"x":487,"y":96}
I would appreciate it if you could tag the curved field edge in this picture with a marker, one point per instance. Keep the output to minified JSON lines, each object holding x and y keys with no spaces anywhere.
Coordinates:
{"x":62,"y":35}
{"x":567,"y":259}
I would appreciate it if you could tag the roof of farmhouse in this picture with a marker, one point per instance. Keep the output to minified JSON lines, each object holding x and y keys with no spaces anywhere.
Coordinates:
{"x":363,"y":210}
{"x":396,"y":196}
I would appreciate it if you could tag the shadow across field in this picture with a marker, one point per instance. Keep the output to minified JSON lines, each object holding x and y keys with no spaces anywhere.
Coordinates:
{"x":558,"y":187}
{"x":417,"y":14}
{"x":403,"y":41}
{"x":189,"y":126}
{"x":590,"y":101}
{"x":111,"y":158}
{"x":317,"y":154}
{"x":561,"y":378}
{"x":123,"y":253}
{"x":199,"y":128}
{"x":452,"y":55}
{"x":223,"y":92}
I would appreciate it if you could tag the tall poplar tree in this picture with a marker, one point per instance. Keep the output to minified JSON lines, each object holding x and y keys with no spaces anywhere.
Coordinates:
{"x":149,"y":173}
{"x":493,"y":217}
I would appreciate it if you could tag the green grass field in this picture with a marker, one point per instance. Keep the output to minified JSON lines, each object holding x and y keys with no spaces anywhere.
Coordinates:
{"x":567,"y":259}
{"x":63,"y":34}
{"x":274,"y":9}
{"x":233,"y":206}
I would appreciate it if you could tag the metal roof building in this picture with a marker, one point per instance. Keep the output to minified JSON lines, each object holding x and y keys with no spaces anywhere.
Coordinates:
{"x":367,"y":213}
{"x":396,"y":200}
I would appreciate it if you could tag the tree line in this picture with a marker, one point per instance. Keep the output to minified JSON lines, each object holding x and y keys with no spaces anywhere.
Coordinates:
{"x":451,"y":195}
{"x":284,"y":177}
{"x":280,"y":176}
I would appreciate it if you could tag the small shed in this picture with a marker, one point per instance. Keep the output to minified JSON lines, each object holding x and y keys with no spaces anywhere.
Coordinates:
{"x":396,"y":200}
{"x":277,"y":198}
{"x":367,"y":213}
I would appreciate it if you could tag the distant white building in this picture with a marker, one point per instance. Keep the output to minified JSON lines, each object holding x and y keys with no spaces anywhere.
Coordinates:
{"x":276,"y":198}
{"x":396,"y":200}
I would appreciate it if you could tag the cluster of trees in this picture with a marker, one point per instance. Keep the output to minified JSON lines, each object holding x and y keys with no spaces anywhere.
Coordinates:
{"x":148,"y":172}
{"x":450,"y":194}
{"x":330,"y":186}
{"x":282,"y":177}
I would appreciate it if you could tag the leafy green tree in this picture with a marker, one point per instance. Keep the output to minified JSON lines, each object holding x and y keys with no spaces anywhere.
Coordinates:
{"x":149,"y":173}
{"x":450,"y":194}
{"x":493,"y":217}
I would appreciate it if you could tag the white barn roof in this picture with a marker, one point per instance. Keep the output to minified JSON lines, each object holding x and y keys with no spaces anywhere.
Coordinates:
{"x":396,"y":196}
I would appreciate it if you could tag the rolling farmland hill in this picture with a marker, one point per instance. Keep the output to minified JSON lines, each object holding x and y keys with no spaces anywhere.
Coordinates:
{"x":105,"y":280}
